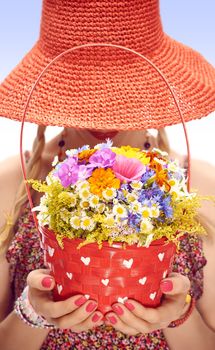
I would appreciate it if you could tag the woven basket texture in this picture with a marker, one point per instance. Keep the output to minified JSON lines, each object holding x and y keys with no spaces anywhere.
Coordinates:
{"x":108,"y":275}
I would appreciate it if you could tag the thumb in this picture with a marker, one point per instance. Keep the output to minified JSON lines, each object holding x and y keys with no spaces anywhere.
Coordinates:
{"x":40,"y":279}
{"x":175,"y":284}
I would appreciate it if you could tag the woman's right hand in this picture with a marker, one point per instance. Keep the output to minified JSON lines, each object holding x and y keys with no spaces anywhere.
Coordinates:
{"x":76,"y":313}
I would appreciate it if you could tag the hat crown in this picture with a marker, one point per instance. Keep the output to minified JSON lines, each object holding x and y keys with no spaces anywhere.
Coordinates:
{"x":132,"y":23}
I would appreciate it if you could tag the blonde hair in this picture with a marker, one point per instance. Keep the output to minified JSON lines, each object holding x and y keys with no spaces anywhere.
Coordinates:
{"x":32,"y":171}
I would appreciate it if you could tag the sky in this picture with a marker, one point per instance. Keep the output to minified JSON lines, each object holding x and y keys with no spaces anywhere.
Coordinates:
{"x":188,"y":21}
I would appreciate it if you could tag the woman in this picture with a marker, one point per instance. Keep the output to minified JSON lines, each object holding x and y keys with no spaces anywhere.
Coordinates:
{"x":132,"y":326}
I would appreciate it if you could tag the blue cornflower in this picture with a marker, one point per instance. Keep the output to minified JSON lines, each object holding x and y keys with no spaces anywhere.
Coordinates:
{"x":147,"y":175}
{"x":165,"y":206}
{"x":150,"y":193}
{"x":133,"y":220}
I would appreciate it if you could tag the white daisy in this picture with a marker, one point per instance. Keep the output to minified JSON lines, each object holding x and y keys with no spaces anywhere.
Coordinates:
{"x":87,"y":223}
{"x":136,"y":185}
{"x":145,"y":212}
{"x":94,"y":201}
{"x":119,"y":210}
{"x":146,"y":226}
{"x":109,"y":193}
{"x":75,"y":222}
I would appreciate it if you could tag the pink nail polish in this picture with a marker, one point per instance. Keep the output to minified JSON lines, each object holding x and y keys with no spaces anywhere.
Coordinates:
{"x":96,"y":317}
{"x":46,"y":282}
{"x":80,"y":301}
{"x":166,"y":286}
{"x":129,"y":306}
{"x":119,"y":311}
{"x":90,"y":307}
{"x":112,"y":319}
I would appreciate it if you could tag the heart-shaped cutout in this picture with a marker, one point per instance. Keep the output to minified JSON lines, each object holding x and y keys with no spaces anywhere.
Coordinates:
{"x":51,"y":251}
{"x":122,"y":300}
{"x":161,"y":256}
{"x":128,"y":263}
{"x":69,"y":275}
{"x":143,"y":280}
{"x":152,"y":296}
{"x":59,"y":288}
{"x":86,"y":260}
{"x":105,"y":281}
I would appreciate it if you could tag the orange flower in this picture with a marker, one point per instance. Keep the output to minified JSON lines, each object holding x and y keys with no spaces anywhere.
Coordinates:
{"x":102,"y":179}
{"x":85,"y":155}
{"x":160,"y":173}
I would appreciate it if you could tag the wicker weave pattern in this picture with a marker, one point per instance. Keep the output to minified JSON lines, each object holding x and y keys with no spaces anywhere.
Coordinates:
{"x":110,"y":273}
{"x":104,"y":87}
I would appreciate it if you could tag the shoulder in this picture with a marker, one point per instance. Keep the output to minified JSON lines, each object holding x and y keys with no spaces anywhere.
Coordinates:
{"x":10,"y":178}
{"x":203,"y":176}
{"x":203,"y":180}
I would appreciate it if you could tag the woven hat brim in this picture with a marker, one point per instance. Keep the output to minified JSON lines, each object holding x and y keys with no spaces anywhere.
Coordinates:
{"x":103,"y":88}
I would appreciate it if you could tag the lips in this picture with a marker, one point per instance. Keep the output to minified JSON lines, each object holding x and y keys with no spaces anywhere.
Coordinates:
{"x":103,"y":135}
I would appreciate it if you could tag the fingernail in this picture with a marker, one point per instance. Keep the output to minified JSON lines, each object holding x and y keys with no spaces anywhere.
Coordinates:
{"x":96,"y":317}
{"x":119,"y":311}
{"x":80,"y":301}
{"x":90,"y":307}
{"x":129,"y":306}
{"x":166,"y":286}
{"x":112,"y":319}
{"x":46,"y":282}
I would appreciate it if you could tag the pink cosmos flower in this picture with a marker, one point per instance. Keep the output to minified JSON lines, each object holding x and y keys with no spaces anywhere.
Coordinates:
{"x":128,"y":169}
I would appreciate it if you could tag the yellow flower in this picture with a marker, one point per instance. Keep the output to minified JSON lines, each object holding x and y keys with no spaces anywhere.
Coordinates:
{"x":131,"y":152}
{"x":102,"y":179}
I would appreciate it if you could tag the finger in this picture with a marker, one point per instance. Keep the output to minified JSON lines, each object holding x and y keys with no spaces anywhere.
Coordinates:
{"x":77,"y":316}
{"x":113,"y":320}
{"x":94,"y":320}
{"x":175,"y":284}
{"x":45,"y":306}
{"x":130,"y":319}
{"x":41,"y":280}
{"x":169,"y":310}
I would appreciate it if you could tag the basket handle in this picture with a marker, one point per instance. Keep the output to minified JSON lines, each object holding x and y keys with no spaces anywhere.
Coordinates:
{"x":75,"y":48}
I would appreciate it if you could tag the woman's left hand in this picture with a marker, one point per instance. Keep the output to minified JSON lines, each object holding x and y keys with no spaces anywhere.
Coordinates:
{"x":133,"y":318}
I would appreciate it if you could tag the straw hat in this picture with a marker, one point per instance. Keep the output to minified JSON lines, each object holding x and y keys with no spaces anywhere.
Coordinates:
{"x":105,"y":87}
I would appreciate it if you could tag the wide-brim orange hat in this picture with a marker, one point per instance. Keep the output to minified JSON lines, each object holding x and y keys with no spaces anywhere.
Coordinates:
{"x":105,"y":87}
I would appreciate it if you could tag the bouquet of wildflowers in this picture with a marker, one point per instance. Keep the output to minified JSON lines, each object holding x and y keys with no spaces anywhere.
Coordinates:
{"x":117,"y":194}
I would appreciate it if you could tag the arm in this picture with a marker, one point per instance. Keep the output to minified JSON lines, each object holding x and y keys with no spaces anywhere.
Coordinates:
{"x":203,"y":179}
{"x":192,"y":335}
{"x":16,"y":335}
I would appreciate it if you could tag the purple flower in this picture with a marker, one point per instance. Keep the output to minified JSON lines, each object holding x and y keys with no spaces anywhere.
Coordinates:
{"x":103,"y":158}
{"x":84,"y":172}
{"x":67,"y":171}
{"x":67,"y":175}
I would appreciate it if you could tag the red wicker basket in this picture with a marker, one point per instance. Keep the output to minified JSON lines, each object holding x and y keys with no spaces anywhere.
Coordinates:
{"x":109,"y":274}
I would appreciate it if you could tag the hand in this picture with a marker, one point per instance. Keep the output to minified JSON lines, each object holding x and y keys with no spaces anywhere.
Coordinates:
{"x":133,"y":318}
{"x":75,"y":313}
